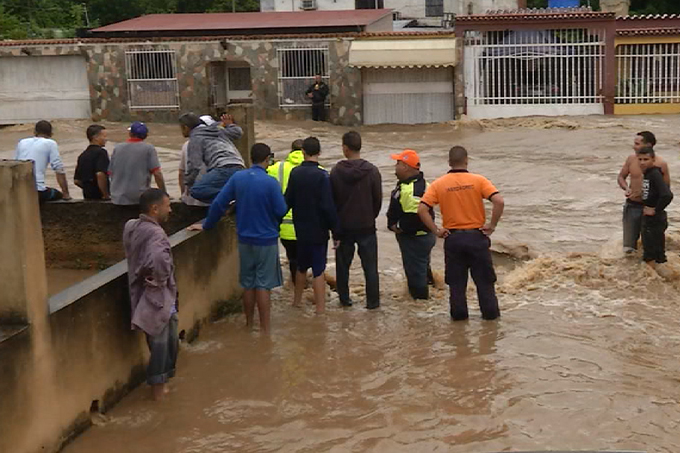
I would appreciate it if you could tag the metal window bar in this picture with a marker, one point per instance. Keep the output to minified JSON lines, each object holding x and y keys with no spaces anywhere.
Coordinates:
{"x":557,"y":66}
{"x":152,"y":79}
{"x":297,"y":68}
{"x":648,"y":73}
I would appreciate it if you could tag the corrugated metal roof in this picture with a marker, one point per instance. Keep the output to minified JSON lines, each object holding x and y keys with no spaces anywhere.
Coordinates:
{"x":243,"y":21}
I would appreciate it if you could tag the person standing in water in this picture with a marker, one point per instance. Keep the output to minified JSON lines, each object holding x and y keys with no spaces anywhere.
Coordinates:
{"x":656,"y":195}
{"x":318,"y":92}
{"x":461,"y":196}
{"x":632,"y":209}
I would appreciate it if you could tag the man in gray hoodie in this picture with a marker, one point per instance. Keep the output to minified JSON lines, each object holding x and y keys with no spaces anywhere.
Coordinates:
{"x":212,"y":146}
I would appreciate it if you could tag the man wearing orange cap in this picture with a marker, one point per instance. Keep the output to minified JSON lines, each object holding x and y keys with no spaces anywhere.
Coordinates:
{"x":414,"y":238}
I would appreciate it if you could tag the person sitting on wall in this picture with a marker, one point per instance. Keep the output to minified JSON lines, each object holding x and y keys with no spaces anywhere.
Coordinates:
{"x":212,"y":146}
{"x":186,"y":197}
{"x":43,"y":151}
{"x":153,"y":290}
{"x":132,"y":165}
{"x":93,"y":166}
{"x":317,"y":92}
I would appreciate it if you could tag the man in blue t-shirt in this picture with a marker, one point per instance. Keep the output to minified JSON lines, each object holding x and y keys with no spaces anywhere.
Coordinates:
{"x":260,"y":207}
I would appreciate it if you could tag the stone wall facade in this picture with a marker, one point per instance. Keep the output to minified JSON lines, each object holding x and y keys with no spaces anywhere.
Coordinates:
{"x":108,"y":86}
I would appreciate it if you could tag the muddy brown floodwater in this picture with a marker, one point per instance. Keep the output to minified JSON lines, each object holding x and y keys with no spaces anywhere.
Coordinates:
{"x":584,"y":357}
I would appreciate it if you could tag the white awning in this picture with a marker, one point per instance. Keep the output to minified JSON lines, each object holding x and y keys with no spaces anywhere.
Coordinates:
{"x":403,"y":53}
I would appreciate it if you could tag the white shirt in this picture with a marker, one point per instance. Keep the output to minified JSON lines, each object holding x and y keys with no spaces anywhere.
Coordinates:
{"x":41,"y":151}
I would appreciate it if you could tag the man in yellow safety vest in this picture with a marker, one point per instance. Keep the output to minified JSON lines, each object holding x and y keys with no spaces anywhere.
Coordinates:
{"x":281,"y":172}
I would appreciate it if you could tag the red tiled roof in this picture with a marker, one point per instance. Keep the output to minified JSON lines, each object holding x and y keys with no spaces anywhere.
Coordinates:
{"x":649,"y":17}
{"x":534,"y":17}
{"x":90,"y":41}
{"x":247,"y":21}
{"x":675,"y":31}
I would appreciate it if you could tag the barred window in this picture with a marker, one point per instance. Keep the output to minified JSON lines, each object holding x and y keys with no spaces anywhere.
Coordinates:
{"x":297,"y":68}
{"x":152,"y":79}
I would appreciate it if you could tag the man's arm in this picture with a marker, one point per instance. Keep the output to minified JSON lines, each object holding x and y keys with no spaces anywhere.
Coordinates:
{"x":61,"y":179}
{"x":103,"y":183}
{"x":377,"y":193}
{"x":194,"y":161}
{"x":666,"y":173}
{"x":623,"y":175}
{"x":394,"y":212}
{"x":496,"y":213}
{"x":327,"y":204}
{"x":280,"y":206}
{"x":665,"y":194}
{"x":58,"y":167}
{"x":424,"y":214}
{"x":180,"y":178}
{"x":289,"y":196}
{"x":220,"y":205}
{"x":160,"y":180}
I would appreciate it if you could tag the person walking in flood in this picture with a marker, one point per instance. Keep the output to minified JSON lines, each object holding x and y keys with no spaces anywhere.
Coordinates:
{"x":153,"y":291}
{"x":357,"y":193}
{"x":318,"y":92}
{"x":281,"y":172}
{"x":310,"y":198}
{"x":656,"y":195}
{"x":260,"y":207}
{"x":633,"y":206}
{"x":415,"y":239}
{"x":460,"y":195}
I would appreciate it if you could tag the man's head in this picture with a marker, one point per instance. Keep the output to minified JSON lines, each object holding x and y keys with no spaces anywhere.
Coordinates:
{"x":96,"y":135}
{"x":646,"y":158}
{"x":644,"y":139}
{"x":318,"y":78}
{"x":260,"y":154}
{"x":351,"y":143}
{"x":138,"y":130}
{"x":408,"y":164}
{"x":311,"y":146}
{"x":458,"y":157}
{"x":296,"y":145}
{"x":188,"y":122}
{"x":43,"y":129}
{"x":156,"y":204}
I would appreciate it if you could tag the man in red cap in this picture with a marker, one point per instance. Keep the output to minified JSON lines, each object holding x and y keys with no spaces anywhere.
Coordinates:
{"x":414,"y":238}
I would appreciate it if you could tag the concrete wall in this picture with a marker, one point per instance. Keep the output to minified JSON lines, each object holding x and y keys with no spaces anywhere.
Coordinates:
{"x":109,"y":91}
{"x":60,"y":355}
{"x":296,"y":5}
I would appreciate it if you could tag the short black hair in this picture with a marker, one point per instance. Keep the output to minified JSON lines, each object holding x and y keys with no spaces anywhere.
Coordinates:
{"x":457,"y":155}
{"x":190,"y":120}
{"x":43,"y":127}
{"x":648,"y":137}
{"x":297,"y":144}
{"x":93,"y":131}
{"x":149,"y":198}
{"x":352,"y":140}
{"x":259,"y":153}
{"x":311,"y":146}
{"x":648,"y":150}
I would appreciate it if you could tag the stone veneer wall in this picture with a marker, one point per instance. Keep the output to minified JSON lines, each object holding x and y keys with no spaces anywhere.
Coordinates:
{"x":109,"y":94}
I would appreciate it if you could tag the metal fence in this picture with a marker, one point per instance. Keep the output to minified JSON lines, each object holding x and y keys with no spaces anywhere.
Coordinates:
{"x":297,"y":68}
{"x":152,"y":79}
{"x":535,"y":67}
{"x":648,"y":73}
{"x":218,"y":83}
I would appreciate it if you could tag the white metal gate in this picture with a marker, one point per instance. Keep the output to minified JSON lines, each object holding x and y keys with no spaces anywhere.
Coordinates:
{"x":297,"y":68}
{"x":408,"y":95}
{"x":648,"y":73}
{"x":152,"y":79}
{"x":34,"y":88}
{"x":534,"y":72}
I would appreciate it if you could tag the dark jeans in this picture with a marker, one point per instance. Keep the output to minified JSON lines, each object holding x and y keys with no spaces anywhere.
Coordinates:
{"x":368,"y":253}
{"x":469,"y":251}
{"x":632,"y":224}
{"x":49,"y":194}
{"x":654,"y":237}
{"x":319,"y":112}
{"x":415,"y":256}
{"x":291,"y":254}
{"x":163,"y":348}
{"x":207,"y":188}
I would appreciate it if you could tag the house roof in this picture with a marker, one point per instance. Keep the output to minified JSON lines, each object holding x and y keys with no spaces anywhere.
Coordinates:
{"x":205,"y":22}
{"x":673,"y":31}
{"x":534,"y":16}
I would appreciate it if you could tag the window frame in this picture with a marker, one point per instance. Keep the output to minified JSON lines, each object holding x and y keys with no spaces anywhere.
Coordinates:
{"x":137,"y":72}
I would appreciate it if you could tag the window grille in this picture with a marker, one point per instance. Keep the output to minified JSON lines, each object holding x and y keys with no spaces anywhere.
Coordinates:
{"x":152,"y":79}
{"x":648,"y":73}
{"x":297,"y":68}
{"x":218,"y":83}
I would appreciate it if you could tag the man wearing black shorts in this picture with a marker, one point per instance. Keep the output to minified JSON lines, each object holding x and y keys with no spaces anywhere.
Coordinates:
{"x":309,"y":196}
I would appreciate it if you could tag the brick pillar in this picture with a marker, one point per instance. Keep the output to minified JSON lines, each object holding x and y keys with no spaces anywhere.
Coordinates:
{"x":23,"y":299}
{"x":244,"y":114}
{"x":609,"y":88}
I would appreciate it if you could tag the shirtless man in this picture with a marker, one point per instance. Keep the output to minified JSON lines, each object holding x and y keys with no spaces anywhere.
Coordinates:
{"x":632,"y":210}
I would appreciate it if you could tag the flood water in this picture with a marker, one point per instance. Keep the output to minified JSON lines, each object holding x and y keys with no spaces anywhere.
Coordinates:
{"x":584,"y":357}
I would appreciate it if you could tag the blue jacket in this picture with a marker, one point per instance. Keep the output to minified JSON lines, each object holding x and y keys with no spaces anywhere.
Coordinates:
{"x":259,"y":206}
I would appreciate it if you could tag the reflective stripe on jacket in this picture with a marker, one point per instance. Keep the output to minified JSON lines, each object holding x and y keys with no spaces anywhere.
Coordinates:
{"x":404,"y":202}
{"x":281,"y":172}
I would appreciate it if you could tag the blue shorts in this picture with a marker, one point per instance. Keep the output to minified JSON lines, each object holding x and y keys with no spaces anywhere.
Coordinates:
{"x":312,"y":255}
{"x":260,"y":266}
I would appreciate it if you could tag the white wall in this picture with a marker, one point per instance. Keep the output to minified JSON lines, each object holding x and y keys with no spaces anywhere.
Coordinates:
{"x":461,"y":7}
{"x":296,"y":5}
